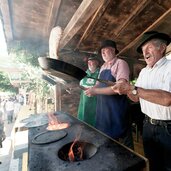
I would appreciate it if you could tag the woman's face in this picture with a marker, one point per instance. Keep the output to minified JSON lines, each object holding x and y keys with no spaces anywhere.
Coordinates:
{"x":108,"y":53}
{"x":152,"y":52}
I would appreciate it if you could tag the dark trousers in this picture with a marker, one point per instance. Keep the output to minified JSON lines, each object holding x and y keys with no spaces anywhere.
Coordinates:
{"x":127,"y":138}
{"x":10,"y":116}
{"x":157,"y":146}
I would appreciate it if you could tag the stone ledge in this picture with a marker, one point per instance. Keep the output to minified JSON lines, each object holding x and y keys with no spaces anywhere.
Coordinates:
{"x":20,"y":143}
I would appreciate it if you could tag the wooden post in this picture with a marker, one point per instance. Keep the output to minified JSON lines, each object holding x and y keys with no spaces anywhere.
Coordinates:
{"x":58,"y":97}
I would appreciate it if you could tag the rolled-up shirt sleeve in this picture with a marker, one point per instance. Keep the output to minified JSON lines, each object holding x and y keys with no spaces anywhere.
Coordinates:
{"x":120,"y":70}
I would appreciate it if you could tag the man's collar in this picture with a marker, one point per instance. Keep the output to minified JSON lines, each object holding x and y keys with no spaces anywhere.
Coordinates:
{"x":160,"y":62}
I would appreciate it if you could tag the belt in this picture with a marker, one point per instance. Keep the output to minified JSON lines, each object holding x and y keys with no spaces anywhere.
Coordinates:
{"x":157,"y":122}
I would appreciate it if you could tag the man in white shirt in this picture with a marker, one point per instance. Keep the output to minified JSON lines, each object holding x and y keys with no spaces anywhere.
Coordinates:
{"x":153,"y":90}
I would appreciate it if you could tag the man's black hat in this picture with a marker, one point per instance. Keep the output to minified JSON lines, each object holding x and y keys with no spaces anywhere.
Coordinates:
{"x":147,"y":36}
{"x":108,"y":43}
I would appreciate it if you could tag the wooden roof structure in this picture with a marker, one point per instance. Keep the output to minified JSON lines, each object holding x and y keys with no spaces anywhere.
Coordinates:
{"x":86,"y":23}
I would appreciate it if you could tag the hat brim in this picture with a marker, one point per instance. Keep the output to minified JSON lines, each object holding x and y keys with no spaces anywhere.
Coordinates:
{"x":150,"y":37}
{"x":95,"y":59}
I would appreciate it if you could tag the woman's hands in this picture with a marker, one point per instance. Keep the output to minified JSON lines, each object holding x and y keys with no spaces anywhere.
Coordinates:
{"x":90,"y":92}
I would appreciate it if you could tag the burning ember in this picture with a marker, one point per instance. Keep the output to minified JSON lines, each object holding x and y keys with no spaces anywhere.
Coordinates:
{"x":54,"y":123}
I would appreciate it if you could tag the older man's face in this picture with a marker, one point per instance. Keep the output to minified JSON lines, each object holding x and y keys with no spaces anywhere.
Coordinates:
{"x":152,"y":52}
{"x":108,"y":53}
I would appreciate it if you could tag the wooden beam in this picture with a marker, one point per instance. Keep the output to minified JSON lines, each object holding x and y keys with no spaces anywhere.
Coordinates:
{"x":25,"y":161}
{"x":134,"y":13}
{"x":83,"y":13}
{"x":93,"y":21}
{"x":157,"y":22}
{"x":6,"y":19}
{"x":53,"y":13}
{"x":58,"y":98}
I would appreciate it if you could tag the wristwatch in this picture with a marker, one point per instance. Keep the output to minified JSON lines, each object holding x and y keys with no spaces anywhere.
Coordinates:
{"x":134,"y":91}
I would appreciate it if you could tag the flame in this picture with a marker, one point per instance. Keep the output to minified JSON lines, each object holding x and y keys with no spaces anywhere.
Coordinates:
{"x":76,"y":150}
{"x":54,"y":123}
{"x":71,"y":153}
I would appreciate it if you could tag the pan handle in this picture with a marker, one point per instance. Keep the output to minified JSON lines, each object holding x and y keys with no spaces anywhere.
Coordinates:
{"x":82,"y":87}
{"x":107,"y":82}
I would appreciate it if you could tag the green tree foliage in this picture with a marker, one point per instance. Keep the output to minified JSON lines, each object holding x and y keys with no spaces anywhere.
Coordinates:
{"x":27,"y":52}
{"x":5,"y":84}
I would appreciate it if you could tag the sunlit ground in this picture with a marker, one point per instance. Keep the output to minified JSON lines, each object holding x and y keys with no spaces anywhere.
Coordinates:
{"x":6,"y":147}
{"x":14,"y":144}
{"x":5,"y":151}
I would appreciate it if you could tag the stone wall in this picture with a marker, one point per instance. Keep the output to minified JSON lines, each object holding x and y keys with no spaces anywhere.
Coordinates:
{"x":70,"y":99}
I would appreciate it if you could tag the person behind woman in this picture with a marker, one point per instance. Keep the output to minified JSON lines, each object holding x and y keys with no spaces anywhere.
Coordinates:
{"x":87,"y":105}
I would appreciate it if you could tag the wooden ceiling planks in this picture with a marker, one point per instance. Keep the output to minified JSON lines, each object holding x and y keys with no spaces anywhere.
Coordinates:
{"x":30,"y":22}
{"x":136,"y":9}
{"x":109,"y":24}
{"x":66,"y":11}
{"x":83,"y":13}
{"x":53,"y":13}
{"x":86,"y":22}
{"x":161,"y":24}
{"x":92,"y":23}
{"x":104,"y":27}
{"x":107,"y":28}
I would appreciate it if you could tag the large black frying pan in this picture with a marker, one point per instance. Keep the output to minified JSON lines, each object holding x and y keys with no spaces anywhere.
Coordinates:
{"x":64,"y":70}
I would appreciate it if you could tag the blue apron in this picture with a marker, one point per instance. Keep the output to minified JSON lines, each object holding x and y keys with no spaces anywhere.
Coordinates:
{"x":111,"y":110}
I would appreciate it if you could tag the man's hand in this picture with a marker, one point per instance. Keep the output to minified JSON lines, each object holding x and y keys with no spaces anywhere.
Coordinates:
{"x":122,"y":87}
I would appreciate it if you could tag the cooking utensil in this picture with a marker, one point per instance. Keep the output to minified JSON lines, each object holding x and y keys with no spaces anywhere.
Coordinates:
{"x":49,"y":137}
{"x":35,"y":117}
{"x":82,"y":87}
{"x":48,"y":79}
{"x":61,"y":69}
{"x":65,"y":70}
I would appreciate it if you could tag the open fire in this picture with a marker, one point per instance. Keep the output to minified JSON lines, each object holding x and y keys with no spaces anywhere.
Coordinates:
{"x":67,"y":151}
{"x":77,"y":151}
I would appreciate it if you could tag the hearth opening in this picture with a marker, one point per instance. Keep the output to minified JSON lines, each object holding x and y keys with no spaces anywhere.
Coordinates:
{"x":77,"y":151}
